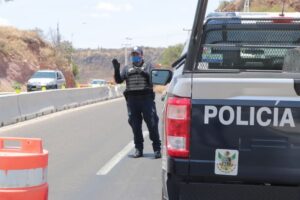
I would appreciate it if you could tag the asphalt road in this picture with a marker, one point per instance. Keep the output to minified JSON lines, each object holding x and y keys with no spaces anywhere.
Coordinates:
{"x":81,"y":142}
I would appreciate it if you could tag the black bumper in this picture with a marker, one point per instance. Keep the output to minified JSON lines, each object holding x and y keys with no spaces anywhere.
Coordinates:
{"x":216,"y":191}
{"x":178,"y":184}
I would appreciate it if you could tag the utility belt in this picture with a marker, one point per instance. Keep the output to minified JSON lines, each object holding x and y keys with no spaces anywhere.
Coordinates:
{"x":139,"y":94}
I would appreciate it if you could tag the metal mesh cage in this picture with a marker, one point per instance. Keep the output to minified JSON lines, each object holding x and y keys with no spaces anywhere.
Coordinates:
{"x":251,"y":44}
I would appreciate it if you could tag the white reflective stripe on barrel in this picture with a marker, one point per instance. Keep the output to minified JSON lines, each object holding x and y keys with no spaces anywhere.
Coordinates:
{"x":23,"y":178}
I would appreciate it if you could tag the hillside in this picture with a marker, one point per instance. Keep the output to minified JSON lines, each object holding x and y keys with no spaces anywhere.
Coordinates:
{"x":260,"y":5}
{"x":97,"y":63}
{"x":24,"y":52}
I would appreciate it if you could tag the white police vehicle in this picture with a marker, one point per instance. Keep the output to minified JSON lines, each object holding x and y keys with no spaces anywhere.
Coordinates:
{"x":231,"y":125}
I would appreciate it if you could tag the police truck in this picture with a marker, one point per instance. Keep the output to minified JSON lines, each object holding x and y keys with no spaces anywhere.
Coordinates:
{"x":231,"y":122}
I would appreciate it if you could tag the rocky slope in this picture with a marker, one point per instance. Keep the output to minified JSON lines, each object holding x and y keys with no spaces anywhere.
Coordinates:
{"x":260,"y":5}
{"x":24,"y":52}
{"x":97,"y":63}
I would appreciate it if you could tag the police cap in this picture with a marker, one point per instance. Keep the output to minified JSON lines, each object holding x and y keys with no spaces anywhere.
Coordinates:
{"x":138,"y":50}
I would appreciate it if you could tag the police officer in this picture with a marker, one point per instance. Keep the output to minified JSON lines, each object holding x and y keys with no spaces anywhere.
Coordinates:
{"x":139,"y":97}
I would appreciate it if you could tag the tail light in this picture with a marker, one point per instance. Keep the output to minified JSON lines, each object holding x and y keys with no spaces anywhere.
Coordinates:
{"x":178,"y":118}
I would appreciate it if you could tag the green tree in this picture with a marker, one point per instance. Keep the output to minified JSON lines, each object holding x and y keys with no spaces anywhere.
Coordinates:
{"x":171,"y":54}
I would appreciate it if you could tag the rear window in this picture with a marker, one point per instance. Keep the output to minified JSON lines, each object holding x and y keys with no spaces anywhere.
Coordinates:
{"x":248,"y":44}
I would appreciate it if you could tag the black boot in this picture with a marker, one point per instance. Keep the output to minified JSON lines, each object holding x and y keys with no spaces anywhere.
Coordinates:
{"x":157,"y":154}
{"x":138,"y":153}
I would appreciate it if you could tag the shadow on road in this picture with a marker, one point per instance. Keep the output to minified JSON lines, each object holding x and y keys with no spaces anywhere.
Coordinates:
{"x":145,"y":155}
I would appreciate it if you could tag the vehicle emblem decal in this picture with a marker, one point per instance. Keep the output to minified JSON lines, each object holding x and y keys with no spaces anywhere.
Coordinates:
{"x":226,"y":162}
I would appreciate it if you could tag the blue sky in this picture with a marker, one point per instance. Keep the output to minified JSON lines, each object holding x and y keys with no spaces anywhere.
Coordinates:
{"x":106,"y":23}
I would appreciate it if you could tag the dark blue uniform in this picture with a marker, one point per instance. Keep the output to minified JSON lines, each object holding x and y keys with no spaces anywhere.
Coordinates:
{"x":140,"y":103}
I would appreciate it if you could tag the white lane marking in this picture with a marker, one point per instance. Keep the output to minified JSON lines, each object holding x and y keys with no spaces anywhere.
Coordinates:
{"x":118,"y":157}
{"x":56,"y":114}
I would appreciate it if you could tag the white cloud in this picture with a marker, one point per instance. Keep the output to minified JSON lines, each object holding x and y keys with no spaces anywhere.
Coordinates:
{"x":110,"y":7}
{"x":94,"y":15}
{"x":97,"y":15}
{"x":105,"y":15}
{"x":4,"y":22}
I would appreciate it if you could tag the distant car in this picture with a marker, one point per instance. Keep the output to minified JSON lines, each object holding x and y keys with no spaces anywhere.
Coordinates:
{"x":50,"y":79}
{"x":98,"y":82}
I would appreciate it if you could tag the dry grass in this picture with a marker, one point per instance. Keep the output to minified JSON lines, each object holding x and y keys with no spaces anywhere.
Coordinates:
{"x":260,"y":5}
{"x":19,"y":43}
{"x":23,"y":52}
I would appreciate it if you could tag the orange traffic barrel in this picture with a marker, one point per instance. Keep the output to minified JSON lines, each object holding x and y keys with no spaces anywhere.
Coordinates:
{"x":23,"y":169}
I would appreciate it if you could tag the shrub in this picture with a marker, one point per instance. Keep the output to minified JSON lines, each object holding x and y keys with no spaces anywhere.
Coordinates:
{"x":17,"y":86}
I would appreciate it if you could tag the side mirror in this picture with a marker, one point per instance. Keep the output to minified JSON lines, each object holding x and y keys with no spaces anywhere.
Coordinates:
{"x":161,"y":76}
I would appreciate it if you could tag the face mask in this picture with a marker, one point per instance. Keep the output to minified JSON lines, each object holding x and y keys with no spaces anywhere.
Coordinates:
{"x":136,"y":59}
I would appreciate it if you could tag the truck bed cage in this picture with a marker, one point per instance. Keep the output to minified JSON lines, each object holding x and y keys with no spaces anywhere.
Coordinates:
{"x":248,"y":43}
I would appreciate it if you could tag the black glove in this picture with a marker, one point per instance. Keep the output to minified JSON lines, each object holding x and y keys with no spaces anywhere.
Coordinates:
{"x":116,"y":64}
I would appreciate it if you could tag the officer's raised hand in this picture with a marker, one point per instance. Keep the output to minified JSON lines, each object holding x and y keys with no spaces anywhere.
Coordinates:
{"x":116,"y":64}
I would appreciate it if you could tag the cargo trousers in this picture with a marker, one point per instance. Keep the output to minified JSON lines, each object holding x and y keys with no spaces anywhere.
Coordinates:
{"x":143,"y":107}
